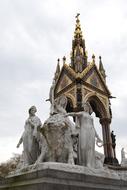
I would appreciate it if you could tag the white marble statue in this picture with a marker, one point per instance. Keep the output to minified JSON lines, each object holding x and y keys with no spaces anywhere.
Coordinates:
{"x":58,"y":105}
{"x":57,"y":132}
{"x":87,"y":136}
{"x":123,"y":157}
{"x":31,"y":138}
{"x":51,"y":97}
{"x":99,"y":160}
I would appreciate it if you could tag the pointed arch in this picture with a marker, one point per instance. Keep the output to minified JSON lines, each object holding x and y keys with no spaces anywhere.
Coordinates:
{"x":96,"y":104}
{"x":70,"y":104}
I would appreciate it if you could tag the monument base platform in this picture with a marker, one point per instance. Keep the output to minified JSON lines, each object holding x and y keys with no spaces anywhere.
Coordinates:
{"x":57,"y":176}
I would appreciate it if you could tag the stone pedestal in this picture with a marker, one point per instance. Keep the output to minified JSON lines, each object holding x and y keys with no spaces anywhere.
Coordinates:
{"x":56,"y":176}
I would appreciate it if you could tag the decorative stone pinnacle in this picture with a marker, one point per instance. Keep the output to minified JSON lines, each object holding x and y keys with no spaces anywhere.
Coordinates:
{"x":64,"y":59}
{"x":100,"y":60}
{"x":93,"y":57}
{"x":101,"y":68}
{"x":58,"y":60}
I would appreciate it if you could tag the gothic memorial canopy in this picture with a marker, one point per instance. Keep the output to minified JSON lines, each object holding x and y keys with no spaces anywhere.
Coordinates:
{"x":82,"y":81}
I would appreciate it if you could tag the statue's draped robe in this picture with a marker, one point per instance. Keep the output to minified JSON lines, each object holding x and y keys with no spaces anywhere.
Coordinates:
{"x":86,"y":145}
{"x":31,"y":138}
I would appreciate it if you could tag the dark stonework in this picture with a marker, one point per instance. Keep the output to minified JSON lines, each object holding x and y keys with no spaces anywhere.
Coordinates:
{"x":105,"y":122}
{"x":50,"y":179}
{"x":108,"y":160}
{"x":113,"y":138}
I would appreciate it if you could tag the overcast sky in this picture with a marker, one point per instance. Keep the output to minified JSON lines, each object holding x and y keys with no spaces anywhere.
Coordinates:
{"x":33,"y":34}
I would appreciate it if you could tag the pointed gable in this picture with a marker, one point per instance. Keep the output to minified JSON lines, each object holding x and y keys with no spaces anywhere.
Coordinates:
{"x":66,"y":77}
{"x":63,"y":83}
{"x":93,"y":77}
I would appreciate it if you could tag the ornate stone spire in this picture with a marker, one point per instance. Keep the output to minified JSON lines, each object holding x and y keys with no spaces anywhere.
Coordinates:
{"x":78,"y":55}
{"x":57,"y":70}
{"x":101,"y":68}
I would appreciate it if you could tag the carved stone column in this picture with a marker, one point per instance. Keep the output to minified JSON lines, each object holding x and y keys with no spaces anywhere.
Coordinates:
{"x":105,"y":122}
{"x":79,"y":94}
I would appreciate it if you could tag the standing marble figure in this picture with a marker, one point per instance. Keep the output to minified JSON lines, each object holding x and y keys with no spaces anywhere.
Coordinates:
{"x":31,"y":138}
{"x":87,"y":135}
{"x":123,"y":157}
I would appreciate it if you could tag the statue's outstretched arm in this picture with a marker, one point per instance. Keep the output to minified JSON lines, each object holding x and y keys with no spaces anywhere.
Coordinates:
{"x":98,"y":138}
{"x":74,"y":114}
{"x":20,"y":142}
{"x":96,"y":135}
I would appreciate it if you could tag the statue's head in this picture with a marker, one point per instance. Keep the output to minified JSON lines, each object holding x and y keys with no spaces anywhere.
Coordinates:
{"x":60,"y":104}
{"x":87,"y":108}
{"x":62,"y":101}
{"x":32,"y":110}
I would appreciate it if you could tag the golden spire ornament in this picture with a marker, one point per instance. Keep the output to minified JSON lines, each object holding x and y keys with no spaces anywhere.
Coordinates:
{"x":78,"y":32}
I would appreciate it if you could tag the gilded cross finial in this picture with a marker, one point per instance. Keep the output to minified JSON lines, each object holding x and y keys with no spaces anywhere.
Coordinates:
{"x":77,"y":15}
{"x":78,"y":32}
